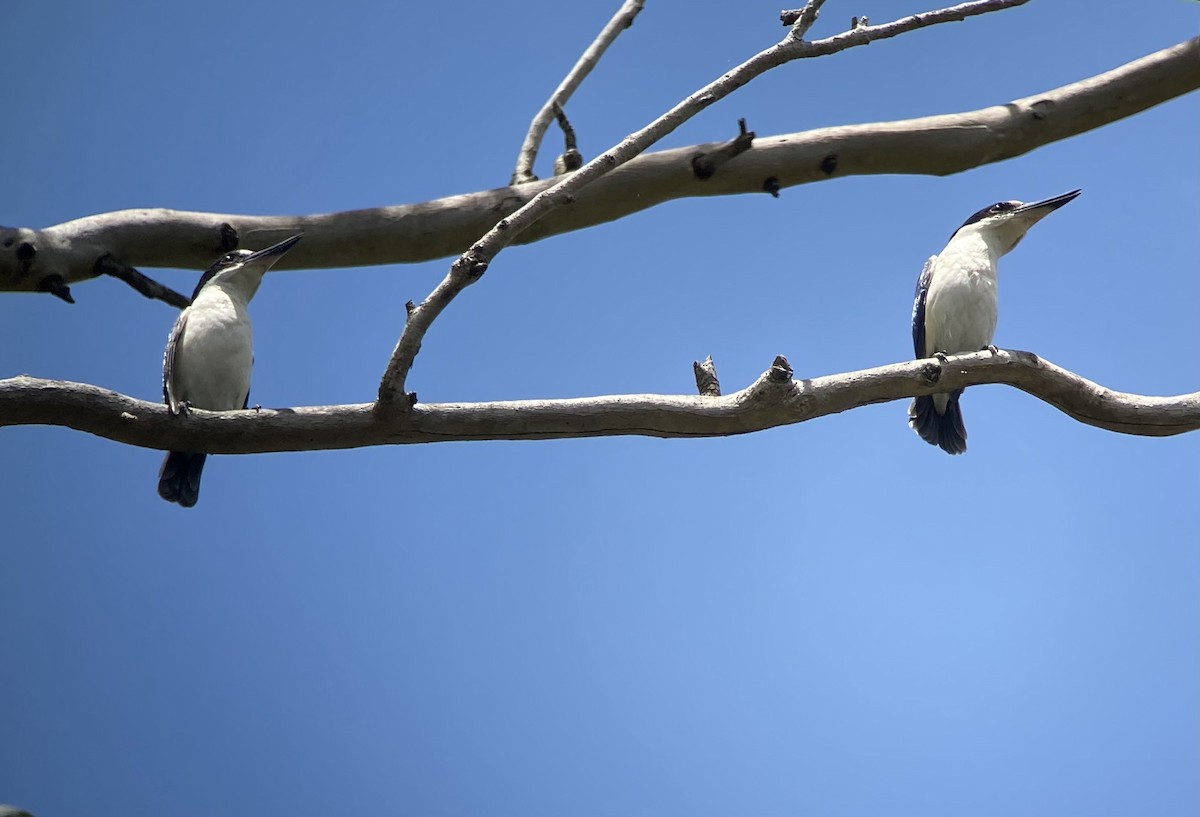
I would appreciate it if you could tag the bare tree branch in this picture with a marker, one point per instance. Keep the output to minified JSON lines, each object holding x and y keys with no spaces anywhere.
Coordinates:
{"x":933,"y":145}
{"x":470,"y":266}
{"x":112,"y":266}
{"x":620,"y":21}
{"x":772,"y":400}
{"x":805,"y":17}
{"x":570,"y":159}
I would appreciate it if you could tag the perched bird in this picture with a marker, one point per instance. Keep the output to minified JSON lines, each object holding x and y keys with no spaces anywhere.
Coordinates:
{"x":208,"y":357}
{"x":954,"y":310}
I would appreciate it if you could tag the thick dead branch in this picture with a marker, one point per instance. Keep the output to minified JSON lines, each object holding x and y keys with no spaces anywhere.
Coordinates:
{"x":934,"y":145}
{"x":620,"y":21}
{"x":772,"y":400}
{"x":469,"y":266}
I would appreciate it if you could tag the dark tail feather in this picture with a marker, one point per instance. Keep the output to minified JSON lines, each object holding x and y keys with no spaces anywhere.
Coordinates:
{"x":179,"y":477}
{"x":945,"y":430}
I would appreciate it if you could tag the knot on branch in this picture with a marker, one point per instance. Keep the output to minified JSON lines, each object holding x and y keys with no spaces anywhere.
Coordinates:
{"x":32,"y":269}
{"x":704,"y":165}
{"x":471,"y":265}
{"x":931,"y":372}
{"x":227,"y":237}
{"x":1041,"y":109}
{"x":775,"y":388}
{"x":56,"y":285}
{"x":780,"y":371}
{"x":774,"y":384}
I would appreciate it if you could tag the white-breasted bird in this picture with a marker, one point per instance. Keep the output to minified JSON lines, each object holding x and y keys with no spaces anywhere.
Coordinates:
{"x":209,"y":355}
{"x":954,"y":310}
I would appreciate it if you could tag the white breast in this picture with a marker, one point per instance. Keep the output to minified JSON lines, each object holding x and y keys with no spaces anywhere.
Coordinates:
{"x":961,"y":306}
{"x":215,"y":353}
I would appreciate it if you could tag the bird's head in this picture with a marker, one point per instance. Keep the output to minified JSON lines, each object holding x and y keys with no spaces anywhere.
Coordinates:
{"x":242,"y":270}
{"x":1005,"y":223}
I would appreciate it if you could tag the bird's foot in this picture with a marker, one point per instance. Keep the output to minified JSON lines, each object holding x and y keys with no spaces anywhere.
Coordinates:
{"x":991,"y":347}
{"x":184,"y":408}
{"x":941,"y":356}
{"x":256,"y":407}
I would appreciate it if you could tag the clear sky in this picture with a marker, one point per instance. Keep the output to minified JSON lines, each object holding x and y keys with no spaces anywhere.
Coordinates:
{"x":826,"y":619}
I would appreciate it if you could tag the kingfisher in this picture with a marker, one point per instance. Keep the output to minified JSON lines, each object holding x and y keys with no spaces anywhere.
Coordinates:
{"x":209,"y":354}
{"x":954,"y":308}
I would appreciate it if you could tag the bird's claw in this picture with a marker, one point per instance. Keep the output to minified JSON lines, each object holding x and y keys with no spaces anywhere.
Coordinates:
{"x":941,"y":356}
{"x":990,"y":348}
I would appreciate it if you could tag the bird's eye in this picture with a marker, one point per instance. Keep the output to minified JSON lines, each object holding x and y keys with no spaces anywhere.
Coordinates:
{"x":997,"y":208}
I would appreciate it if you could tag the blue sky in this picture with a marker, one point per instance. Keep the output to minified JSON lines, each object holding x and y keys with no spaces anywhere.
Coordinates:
{"x":826,"y":619}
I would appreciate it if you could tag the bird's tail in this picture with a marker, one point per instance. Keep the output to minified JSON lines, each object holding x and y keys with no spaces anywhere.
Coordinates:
{"x":179,"y":477}
{"x":944,"y":428}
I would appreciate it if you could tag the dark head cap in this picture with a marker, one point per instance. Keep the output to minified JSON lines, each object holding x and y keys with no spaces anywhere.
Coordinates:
{"x":239,"y":258}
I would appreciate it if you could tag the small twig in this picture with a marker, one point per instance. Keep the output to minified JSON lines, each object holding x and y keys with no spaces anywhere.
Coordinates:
{"x":56,"y":285}
{"x":570,"y":159}
{"x":472,"y":263}
{"x":704,"y":165}
{"x":111,"y":265}
{"x":801,"y":20}
{"x":780,"y":371}
{"x":620,"y":21}
{"x":706,"y":377}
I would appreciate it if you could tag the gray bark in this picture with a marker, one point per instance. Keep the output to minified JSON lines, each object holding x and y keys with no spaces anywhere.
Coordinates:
{"x":934,"y":145}
{"x":774,"y":399}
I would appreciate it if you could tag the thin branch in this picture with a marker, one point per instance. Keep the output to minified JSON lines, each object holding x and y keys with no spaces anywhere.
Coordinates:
{"x":772,"y":400}
{"x":570,"y":159}
{"x":805,"y":18}
{"x":112,"y":266}
{"x":620,"y":21}
{"x":470,"y":266}
{"x":934,"y":145}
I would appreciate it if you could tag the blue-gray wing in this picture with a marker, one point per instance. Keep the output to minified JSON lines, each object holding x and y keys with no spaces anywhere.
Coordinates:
{"x":918,"y":315}
{"x":170,"y":395}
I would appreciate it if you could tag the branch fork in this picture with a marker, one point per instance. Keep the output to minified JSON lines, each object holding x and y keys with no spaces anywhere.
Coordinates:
{"x":504,"y":233}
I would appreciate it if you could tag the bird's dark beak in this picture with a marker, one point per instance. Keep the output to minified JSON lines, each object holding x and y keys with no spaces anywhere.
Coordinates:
{"x":273,"y":253}
{"x":1035,"y":211}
